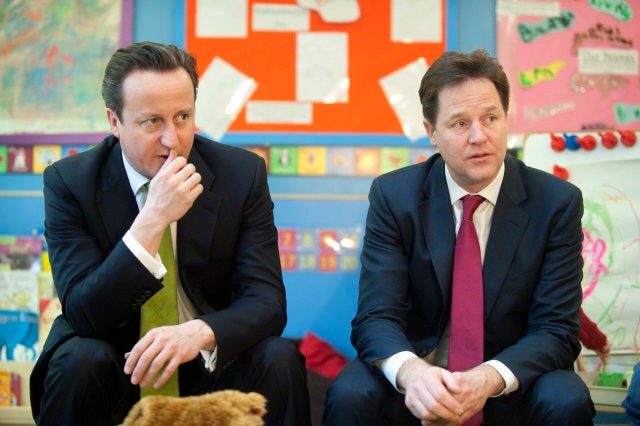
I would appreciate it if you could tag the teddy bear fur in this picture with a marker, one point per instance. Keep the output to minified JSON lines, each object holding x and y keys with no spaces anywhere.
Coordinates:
{"x":221,"y":408}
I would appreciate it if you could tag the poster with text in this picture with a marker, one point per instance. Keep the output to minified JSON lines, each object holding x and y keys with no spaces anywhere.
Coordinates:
{"x":572,"y":64}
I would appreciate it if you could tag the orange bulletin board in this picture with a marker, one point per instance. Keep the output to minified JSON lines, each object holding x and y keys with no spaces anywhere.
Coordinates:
{"x":269,"y":58}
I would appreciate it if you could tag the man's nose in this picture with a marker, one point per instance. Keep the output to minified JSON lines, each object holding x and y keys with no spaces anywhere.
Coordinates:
{"x":476,"y":133}
{"x":169,"y":136}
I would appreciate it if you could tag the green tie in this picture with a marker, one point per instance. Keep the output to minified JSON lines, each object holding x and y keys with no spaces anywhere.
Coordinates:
{"x":162,"y":309}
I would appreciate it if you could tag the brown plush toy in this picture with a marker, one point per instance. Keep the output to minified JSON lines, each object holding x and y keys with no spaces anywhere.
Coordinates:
{"x":222,"y":408}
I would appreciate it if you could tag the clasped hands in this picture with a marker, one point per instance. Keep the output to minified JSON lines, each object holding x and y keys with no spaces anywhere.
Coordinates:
{"x":438,"y":396}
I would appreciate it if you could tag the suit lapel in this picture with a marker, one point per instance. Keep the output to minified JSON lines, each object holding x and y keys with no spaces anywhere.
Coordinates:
{"x":508,"y":225}
{"x":115,"y":201}
{"x":195,"y":229}
{"x":439,"y":229}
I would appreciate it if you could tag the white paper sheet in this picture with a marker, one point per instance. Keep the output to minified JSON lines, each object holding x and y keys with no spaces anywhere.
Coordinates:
{"x":401,"y":90}
{"x":221,"y":18}
{"x":279,"y":17}
{"x":416,"y":21}
{"x":275,"y":112}
{"x":334,"y":11}
{"x":528,"y":8}
{"x":608,"y":61}
{"x":321,"y":67}
{"x":222,"y":93}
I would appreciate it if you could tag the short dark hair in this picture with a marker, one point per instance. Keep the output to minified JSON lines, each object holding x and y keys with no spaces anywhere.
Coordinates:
{"x":145,"y":55}
{"x":454,"y":68}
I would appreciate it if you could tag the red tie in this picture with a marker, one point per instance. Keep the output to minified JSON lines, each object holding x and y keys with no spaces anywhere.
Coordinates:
{"x":466,"y":344}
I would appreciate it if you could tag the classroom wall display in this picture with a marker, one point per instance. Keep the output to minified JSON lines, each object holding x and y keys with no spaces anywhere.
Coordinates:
{"x":604,"y":165}
{"x":319,"y":250}
{"x":313,"y":66}
{"x":285,"y":160}
{"x":53,"y":59}
{"x":573,"y":65}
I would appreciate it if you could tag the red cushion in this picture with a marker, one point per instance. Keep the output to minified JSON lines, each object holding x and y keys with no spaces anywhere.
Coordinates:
{"x":321,"y":356}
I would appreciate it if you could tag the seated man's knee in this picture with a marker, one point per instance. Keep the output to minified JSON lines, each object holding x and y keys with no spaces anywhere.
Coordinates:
{"x":357,"y":396}
{"x":560,"y":395}
{"x":279,"y":353}
{"x":78,"y":356}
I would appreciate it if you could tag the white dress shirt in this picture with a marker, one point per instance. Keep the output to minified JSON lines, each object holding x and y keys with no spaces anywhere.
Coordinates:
{"x":186,"y":310}
{"x":482,"y":221}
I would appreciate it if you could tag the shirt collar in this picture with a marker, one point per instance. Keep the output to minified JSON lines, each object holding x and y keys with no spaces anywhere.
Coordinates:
{"x":490,"y":192}
{"x":136,"y":180}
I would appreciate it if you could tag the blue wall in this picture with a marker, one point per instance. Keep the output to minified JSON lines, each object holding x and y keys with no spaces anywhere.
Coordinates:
{"x":323,"y":303}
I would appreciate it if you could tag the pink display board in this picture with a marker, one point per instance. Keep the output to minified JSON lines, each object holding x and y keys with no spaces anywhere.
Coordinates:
{"x":572,"y":64}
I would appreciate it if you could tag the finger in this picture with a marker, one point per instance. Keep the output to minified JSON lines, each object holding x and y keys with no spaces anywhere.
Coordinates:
{"x":150,"y":364}
{"x":451,"y":382}
{"x":172,"y":164}
{"x":144,"y":365}
{"x":172,"y":156}
{"x":133,"y":356}
{"x":167,"y":372}
{"x":193,"y":182}
{"x":187,"y":177}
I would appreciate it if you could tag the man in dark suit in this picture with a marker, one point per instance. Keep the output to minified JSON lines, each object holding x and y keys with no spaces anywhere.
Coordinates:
{"x":529,"y":235}
{"x":104,"y":228}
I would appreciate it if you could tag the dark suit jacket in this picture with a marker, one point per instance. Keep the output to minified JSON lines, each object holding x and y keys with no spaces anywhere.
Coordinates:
{"x":532,"y":269}
{"x":227,"y":249}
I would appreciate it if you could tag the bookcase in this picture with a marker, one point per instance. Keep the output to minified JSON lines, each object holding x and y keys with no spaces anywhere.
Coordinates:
{"x":19,"y":415}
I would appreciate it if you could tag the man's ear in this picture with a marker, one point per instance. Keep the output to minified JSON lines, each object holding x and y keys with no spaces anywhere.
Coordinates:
{"x":114,"y":123}
{"x":431,"y":131}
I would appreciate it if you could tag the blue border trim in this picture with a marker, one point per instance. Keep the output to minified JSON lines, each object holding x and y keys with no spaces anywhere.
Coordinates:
{"x":179,"y":23}
{"x":320,"y":139}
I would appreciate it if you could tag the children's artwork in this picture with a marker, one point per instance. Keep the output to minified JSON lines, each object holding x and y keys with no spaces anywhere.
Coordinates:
{"x":604,"y":165}
{"x":19,"y":306}
{"x":572,"y":65}
{"x":20,"y":252}
{"x":53,"y":56}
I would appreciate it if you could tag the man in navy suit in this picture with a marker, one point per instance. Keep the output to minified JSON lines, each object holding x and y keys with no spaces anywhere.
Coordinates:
{"x":103,"y":230}
{"x":530,"y":239}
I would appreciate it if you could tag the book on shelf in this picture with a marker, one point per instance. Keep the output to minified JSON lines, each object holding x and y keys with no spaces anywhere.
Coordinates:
{"x":9,"y":388}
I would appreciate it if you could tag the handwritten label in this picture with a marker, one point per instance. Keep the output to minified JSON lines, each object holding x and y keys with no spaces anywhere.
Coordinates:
{"x":530,"y":32}
{"x":532,"y":77}
{"x":608,"y":61}
{"x":627,"y":113}
{"x":619,"y":9}
{"x":602,"y":34}
{"x":546,"y":111}
{"x":580,"y":83}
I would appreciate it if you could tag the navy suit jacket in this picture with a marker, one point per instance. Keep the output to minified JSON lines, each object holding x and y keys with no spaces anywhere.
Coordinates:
{"x":532,"y":269}
{"x":227,"y":250}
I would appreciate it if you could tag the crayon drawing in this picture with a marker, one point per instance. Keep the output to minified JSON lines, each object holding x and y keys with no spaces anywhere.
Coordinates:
{"x":608,"y":176}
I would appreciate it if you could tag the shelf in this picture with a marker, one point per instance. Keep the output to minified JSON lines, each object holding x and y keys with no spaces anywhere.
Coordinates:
{"x":20,"y":415}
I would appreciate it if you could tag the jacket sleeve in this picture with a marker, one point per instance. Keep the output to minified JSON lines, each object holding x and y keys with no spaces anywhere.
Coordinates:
{"x":379,"y":327}
{"x":100,"y":286}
